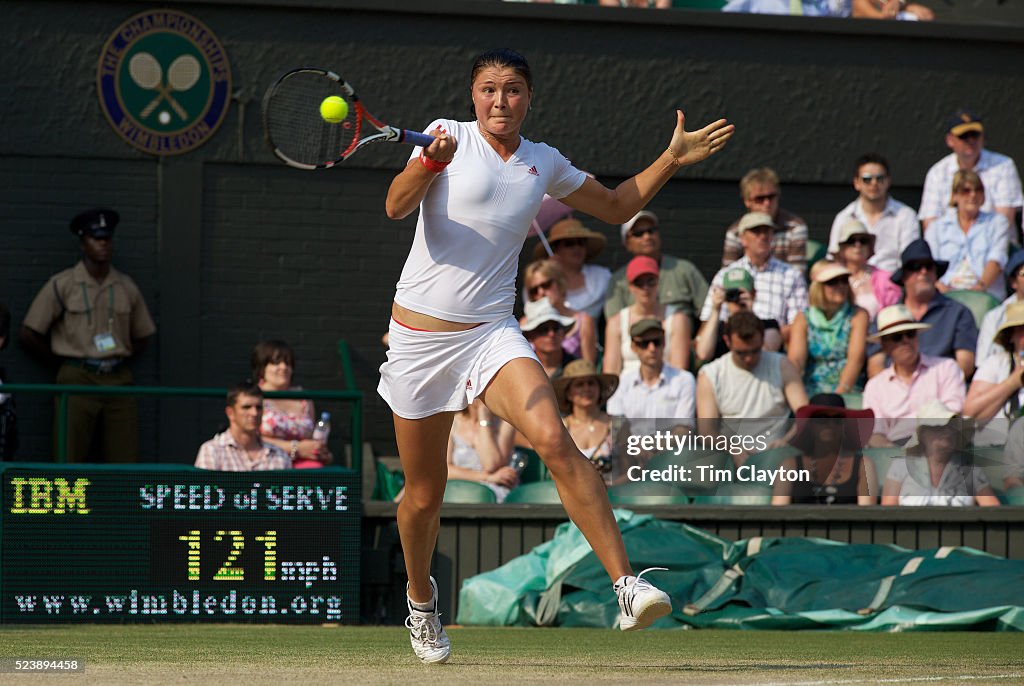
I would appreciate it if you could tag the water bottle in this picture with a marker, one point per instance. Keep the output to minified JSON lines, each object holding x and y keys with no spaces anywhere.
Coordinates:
{"x":323,"y":428}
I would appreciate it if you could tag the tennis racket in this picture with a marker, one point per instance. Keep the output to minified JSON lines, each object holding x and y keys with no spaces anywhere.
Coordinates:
{"x":301,"y":138}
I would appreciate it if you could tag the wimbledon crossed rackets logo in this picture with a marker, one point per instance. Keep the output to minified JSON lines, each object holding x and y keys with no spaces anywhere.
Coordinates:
{"x":164,"y":82}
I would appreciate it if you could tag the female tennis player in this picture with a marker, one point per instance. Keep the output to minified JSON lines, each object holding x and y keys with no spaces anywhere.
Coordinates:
{"x":452,"y":334}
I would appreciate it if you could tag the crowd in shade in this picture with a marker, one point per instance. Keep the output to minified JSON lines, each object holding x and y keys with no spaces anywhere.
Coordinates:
{"x":878,"y":367}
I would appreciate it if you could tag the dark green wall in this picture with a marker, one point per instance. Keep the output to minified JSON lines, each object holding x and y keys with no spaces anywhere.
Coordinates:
{"x":230,"y":246}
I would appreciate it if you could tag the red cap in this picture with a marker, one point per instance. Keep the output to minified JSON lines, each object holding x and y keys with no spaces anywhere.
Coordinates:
{"x":640,"y":265}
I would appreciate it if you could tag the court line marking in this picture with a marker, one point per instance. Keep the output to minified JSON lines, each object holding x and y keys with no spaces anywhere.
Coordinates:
{"x":901,"y":680}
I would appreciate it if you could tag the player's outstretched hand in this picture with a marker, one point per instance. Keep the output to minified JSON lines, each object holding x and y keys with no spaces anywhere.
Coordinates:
{"x":690,"y":147}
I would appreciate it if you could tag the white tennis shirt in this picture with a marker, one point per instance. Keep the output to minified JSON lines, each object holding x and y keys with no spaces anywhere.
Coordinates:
{"x":472,"y":225}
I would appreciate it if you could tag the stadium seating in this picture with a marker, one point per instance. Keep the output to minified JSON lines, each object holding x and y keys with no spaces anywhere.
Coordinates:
{"x":816,"y":250}
{"x":737,"y":494}
{"x":535,"y":469}
{"x":771,"y":458}
{"x":1014,"y":496}
{"x":647,"y":493}
{"x":691,"y":459}
{"x":854,"y":401}
{"x":459,"y":491}
{"x":882,"y":457}
{"x":538,"y":492}
{"x":978,"y":302}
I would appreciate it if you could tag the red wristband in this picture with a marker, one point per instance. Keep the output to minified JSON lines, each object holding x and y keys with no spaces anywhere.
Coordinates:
{"x":433,"y":165}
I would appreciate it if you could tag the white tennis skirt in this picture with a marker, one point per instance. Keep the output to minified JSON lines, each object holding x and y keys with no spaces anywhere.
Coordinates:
{"x":428,"y":372}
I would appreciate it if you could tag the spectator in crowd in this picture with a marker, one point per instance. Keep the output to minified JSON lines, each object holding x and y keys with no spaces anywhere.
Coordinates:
{"x":574,"y":246}
{"x":241,"y":448}
{"x":828,"y":341}
{"x":997,"y":390}
{"x":544,"y":327}
{"x":868,"y":9}
{"x":655,"y":390}
{"x":934,"y":471}
{"x":893,"y":224}
{"x":545,"y":279}
{"x":913,"y":379}
{"x":642,"y":274}
{"x":581,"y":392}
{"x":1013,"y":457}
{"x":736,"y":294}
{"x":649,"y":4}
{"x":872,"y":286}
{"x":96,"y":320}
{"x":781,"y":289}
{"x":965,"y":136}
{"x":994,"y":318}
{"x":474,"y":452}
{"x":749,"y":383}
{"x":761,"y":192}
{"x":973,"y":241}
{"x":830,"y":439}
{"x":680,"y":283}
{"x":953,"y":331}
{"x":286,"y":423}
{"x":891,"y":9}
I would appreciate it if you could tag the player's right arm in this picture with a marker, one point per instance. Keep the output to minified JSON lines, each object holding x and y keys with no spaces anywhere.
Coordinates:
{"x":410,"y":186}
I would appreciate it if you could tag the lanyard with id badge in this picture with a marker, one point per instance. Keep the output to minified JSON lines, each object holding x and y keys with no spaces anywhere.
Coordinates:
{"x":104,"y":342}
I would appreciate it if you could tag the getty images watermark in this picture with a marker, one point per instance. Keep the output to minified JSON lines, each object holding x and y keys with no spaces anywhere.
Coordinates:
{"x":668,"y":441}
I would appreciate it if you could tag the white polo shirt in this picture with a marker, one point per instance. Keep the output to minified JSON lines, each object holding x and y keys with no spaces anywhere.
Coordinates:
{"x":472,"y":225}
{"x":674,"y":397}
{"x":998,"y":173}
{"x":897,"y":228}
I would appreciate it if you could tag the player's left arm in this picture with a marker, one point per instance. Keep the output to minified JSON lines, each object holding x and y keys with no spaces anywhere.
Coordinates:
{"x":619,"y":204}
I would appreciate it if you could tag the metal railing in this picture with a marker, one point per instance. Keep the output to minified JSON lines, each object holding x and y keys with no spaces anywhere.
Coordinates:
{"x":62,"y":393}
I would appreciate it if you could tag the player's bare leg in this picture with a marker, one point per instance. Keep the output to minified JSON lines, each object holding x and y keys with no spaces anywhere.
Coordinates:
{"x":423,"y":449}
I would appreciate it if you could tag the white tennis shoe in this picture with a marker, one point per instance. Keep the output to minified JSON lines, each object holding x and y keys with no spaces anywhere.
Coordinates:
{"x":641,"y":603}
{"x":429,"y":641}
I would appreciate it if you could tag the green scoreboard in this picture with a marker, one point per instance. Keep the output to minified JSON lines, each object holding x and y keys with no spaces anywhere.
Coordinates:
{"x":159,"y":543}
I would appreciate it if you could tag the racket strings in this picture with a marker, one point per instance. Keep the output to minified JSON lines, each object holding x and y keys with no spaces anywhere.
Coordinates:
{"x":295,"y":126}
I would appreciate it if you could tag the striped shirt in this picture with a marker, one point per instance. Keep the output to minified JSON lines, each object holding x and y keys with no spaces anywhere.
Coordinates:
{"x":998,"y":173}
{"x":222,"y":453}
{"x":781,"y":290}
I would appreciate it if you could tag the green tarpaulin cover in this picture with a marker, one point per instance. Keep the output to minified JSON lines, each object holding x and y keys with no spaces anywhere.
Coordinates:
{"x":758,"y":583}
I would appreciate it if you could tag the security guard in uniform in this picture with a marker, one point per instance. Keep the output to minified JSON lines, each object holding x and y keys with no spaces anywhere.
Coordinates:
{"x":96,"y":319}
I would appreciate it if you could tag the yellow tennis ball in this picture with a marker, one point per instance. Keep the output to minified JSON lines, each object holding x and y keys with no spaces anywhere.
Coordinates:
{"x":333,"y":109}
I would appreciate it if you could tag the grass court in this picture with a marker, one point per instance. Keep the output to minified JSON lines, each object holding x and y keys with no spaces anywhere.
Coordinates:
{"x":241,"y":655}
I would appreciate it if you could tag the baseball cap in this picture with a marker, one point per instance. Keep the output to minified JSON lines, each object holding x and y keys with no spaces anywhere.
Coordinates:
{"x":752,"y":220}
{"x":962,"y":121}
{"x":645,"y":325}
{"x":738,"y":278}
{"x":642,"y":214}
{"x":640,"y":265}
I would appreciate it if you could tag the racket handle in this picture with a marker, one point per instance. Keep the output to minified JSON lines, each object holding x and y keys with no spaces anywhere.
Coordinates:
{"x":416,"y":138}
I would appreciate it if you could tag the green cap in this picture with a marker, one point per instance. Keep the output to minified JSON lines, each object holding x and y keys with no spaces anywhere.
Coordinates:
{"x":738,"y":278}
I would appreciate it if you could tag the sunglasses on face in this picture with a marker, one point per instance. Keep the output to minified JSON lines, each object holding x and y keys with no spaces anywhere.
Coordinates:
{"x":546,"y":330}
{"x":970,"y":190}
{"x":858,"y":240}
{"x":969,"y":135}
{"x":838,"y":281}
{"x":640,"y":233}
{"x":899,"y":337}
{"x":571,"y":242}
{"x":534,"y":291}
{"x":914,"y":267}
{"x":646,"y":282}
{"x":767,"y":197}
{"x":644,"y":343}
{"x":868,"y":178}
